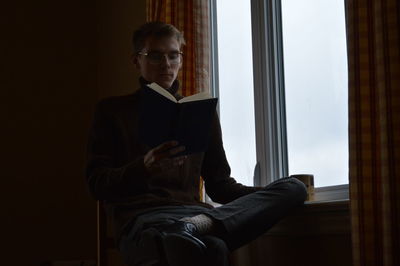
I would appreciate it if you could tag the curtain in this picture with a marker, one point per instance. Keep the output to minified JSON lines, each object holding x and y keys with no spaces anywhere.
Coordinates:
{"x":373,"y":31}
{"x":192,"y":18}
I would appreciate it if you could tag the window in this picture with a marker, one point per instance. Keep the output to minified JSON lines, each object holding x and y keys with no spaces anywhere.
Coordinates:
{"x":299,"y":88}
{"x":315,"y":68}
{"x":236,"y":98}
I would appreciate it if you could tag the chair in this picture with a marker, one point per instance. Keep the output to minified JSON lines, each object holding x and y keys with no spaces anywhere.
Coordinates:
{"x":105,"y":242}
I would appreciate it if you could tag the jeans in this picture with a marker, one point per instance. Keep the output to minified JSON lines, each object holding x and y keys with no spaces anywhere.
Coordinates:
{"x":238,"y":223}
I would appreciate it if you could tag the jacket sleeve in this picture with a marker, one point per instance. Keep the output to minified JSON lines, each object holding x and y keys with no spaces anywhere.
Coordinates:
{"x":216,"y":171}
{"x":106,"y":179}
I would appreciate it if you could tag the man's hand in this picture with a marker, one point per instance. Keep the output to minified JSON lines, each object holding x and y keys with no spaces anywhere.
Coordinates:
{"x":159,"y":159}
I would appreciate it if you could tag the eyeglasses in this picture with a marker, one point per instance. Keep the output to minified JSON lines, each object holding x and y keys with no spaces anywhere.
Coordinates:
{"x":156,"y":58}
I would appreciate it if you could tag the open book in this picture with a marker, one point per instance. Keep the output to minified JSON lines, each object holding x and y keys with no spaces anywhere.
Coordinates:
{"x":188,"y":121}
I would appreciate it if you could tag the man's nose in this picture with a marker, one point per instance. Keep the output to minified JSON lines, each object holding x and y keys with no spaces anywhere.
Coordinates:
{"x":165,"y":61}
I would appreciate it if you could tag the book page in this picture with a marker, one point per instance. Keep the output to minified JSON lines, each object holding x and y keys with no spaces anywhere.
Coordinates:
{"x":196,"y":97}
{"x":154,"y":86}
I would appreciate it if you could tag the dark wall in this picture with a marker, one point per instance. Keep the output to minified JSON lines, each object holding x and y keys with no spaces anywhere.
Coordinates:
{"x":58,"y":58}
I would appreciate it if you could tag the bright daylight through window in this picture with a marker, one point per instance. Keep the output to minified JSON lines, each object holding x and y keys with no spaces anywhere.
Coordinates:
{"x":315,"y":63}
{"x":236,"y":98}
{"x":315,"y":83}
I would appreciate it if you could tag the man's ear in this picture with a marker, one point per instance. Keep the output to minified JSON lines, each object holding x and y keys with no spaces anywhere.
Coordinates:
{"x":135,"y":61}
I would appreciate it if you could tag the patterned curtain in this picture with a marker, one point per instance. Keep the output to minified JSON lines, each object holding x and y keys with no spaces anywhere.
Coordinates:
{"x":373,"y":29}
{"x":192,"y":18}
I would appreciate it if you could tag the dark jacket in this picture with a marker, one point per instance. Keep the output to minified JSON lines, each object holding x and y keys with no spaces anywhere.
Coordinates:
{"x":116,"y":174}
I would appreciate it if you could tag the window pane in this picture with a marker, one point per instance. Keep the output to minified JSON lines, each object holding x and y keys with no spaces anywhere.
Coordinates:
{"x":236,"y":100}
{"x":315,"y":62}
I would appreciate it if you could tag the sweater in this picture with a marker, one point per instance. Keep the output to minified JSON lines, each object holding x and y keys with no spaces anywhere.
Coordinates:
{"x":116,"y":174}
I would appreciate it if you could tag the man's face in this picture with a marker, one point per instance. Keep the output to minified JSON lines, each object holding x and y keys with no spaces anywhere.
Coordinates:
{"x":164,"y":71}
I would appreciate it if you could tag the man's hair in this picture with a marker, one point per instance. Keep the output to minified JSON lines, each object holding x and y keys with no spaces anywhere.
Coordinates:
{"x":155,"y":29}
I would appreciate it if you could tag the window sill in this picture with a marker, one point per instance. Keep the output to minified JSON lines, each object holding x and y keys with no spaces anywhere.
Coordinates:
{"x":331,"y":193}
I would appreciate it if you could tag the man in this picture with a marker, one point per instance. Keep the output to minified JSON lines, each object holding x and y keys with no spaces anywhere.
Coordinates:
{"x":153,"y":195}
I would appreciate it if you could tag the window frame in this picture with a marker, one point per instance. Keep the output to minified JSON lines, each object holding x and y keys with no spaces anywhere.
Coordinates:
{"x":269,"y":94}
{"x":269,"y":91}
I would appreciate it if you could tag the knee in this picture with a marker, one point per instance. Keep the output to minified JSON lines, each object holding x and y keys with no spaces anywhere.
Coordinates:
{"x":299,"y":189}
{"x":217,"y":252}
{"x":294,"y":188}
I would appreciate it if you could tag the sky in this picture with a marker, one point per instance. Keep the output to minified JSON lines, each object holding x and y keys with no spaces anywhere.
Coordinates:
{"x":315,"y":67}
